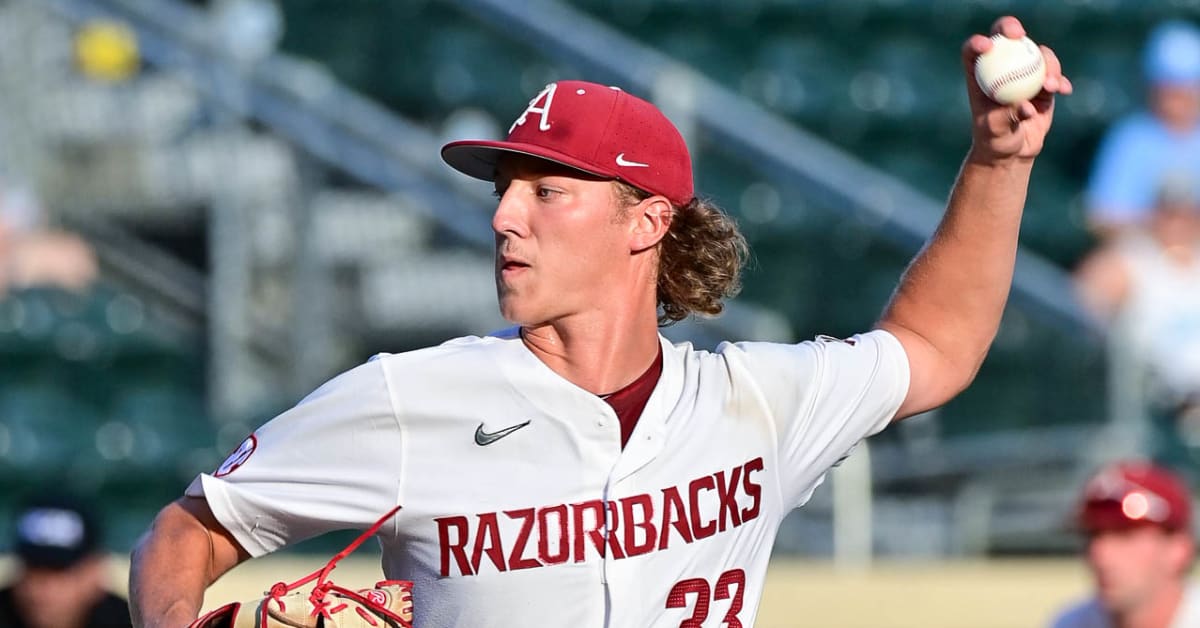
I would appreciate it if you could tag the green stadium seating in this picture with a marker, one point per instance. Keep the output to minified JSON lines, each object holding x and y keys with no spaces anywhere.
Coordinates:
{"x":93,"y":396}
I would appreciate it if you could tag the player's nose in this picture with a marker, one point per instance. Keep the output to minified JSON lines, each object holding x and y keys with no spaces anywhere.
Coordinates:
{"x":509,"y":217}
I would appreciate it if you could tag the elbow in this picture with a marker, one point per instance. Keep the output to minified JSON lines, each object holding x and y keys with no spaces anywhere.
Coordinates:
{"x":940,"y":366}
{"x":952,"y":376}
{"x":175,"y":528}
{"x":961,"y":385}
{"x":936,"y":391}
{"x":962,"y":372}
{"x":135,"y":554}
{"x":167,"y":526}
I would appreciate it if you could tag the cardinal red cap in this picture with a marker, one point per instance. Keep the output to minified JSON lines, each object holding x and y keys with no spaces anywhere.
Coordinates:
{"x":1128,"y":494}
{"x":594,"y":128}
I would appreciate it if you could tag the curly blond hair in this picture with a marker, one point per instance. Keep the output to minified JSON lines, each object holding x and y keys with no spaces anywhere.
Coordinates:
{"x":700,"y":259}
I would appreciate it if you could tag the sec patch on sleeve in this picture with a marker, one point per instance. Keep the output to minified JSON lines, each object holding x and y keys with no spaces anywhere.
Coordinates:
{"x":238,"y":457}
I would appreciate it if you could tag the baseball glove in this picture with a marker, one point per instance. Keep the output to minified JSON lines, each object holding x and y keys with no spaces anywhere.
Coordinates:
{"x":326,"y":605}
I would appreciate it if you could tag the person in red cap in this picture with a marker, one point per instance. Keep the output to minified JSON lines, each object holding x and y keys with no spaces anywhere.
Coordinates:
{"x":579,"y":469}
{"x":1138,"y":520}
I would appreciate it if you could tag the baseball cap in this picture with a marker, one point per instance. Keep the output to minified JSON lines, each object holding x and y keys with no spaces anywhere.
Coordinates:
{"x":597,"y":129}
{"x":1172,"y":54}
{"x":55,"y":531}
{"x":1133,"y":493}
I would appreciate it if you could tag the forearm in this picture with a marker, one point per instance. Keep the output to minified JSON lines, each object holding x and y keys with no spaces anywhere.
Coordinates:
{"x":952,"y":296}
{"x":948,"y":306}
{"x":172,"y":565}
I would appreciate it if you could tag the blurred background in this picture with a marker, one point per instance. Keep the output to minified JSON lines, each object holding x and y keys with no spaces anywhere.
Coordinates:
{"x":209,"y":207}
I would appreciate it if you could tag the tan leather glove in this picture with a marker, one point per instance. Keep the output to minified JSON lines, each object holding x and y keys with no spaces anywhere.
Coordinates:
{"x":325,"y":605}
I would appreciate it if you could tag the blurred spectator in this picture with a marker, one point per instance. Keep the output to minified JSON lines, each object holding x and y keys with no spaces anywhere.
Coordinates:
{"x":1145,"y":285}
{"x":61,"y":575}
{"x":1140,"y":148}
{"x":1137,"y":518}
{"x":31,"y":254}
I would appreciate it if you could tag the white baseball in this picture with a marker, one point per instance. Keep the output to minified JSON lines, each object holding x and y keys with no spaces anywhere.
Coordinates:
{"x":1012,"y":71}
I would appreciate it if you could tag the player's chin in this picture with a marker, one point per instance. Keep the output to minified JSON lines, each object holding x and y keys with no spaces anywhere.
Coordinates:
{"x":512,"y":308}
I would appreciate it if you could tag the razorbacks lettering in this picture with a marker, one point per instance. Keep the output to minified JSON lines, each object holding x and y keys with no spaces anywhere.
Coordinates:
{"x":637,"y":524}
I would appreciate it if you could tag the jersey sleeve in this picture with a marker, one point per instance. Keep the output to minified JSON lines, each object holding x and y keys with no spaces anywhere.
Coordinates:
{"x":825,"y":396}
{"x":332,"y":462}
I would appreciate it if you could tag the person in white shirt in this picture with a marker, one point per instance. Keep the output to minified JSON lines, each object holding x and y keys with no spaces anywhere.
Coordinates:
{"x":579,"y":470}
{"x":1143,"y":286}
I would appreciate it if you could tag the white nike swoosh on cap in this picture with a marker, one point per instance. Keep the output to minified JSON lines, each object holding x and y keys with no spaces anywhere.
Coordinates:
{"x":621,"y":161}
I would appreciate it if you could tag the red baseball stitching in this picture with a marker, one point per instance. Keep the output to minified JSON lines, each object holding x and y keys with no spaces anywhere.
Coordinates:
{"x":1012,"y":75}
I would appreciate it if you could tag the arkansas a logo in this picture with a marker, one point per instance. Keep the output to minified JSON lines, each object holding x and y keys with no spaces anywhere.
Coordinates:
{"x":546,"y":98}
{"x":238,"y":457}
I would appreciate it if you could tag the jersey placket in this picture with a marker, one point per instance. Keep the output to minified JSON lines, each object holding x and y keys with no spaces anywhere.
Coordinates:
{"x":645,"y":444}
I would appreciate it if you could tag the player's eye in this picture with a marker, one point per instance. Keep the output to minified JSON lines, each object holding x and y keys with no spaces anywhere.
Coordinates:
{"x":546,"y":193}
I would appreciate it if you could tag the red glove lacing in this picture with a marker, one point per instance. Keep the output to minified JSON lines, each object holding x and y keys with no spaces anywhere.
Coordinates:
{"x":321,"y":605}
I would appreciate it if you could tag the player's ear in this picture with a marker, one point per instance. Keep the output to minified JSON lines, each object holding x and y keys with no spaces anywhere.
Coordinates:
{"x":1182,"y":551}
{"x":651,"y":221}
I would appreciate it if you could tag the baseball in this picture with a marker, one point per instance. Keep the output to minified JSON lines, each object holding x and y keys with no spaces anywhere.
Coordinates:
{"x":1012,"y":71}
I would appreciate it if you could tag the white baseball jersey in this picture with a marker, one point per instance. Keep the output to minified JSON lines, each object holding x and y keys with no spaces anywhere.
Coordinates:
{"x":520,"y":507}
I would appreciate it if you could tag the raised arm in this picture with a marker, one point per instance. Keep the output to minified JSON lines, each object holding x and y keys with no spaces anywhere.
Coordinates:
{"x":948,"y":305}
{"x":184,"y":551}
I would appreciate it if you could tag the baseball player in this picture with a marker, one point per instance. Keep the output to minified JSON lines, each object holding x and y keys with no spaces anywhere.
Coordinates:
{"x":579,"y":469}
{"x":1138,"y":520}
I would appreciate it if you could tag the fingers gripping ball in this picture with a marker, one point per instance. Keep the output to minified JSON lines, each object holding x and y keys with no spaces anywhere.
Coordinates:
{"x":1012,"y":71}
